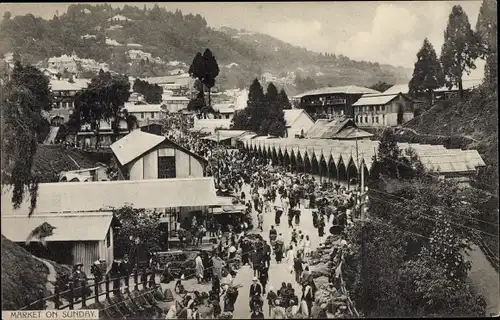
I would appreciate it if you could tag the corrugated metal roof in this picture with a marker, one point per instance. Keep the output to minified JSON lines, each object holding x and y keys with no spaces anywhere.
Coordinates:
{"x":131,"y":108}
{"x":374,"y":100}
{"x":466,"y":84}
{"x":342,"y":89}
{"x":134,"y":144}
{"x":64,"y":85}
{"x":398,"y":88}
{"x":352,"y":133}
{"x":69,"y":227}
{"x":101,"y":195}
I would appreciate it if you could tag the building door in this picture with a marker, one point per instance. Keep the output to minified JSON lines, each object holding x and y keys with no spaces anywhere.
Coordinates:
{"x":400,"y":114}
{"x":166,"y":167}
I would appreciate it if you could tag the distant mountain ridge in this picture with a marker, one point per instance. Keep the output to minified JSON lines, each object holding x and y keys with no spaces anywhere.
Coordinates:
{"x":100,"y":32}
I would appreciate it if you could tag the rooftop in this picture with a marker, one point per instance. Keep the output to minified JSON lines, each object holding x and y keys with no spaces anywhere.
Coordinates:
{"x":398,"y":88}
{"x":132,"y":108}
{"x":342,"y":89}
{"x":66,"y":197}
{"x":375,"y":99}
{"x":291,"y":115}
{"x":135,"y":144}
{"x":69,"y":227}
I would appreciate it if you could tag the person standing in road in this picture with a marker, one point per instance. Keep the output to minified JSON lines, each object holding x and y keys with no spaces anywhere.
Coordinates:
{"x":290,"y":257}
{"x":199,"y":268}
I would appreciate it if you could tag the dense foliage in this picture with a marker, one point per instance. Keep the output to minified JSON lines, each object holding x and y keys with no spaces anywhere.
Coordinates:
{"x":381,"y":86}
{"x":205,"y":69}
{"x":25,"y":97}
{"x":486,"y":28}
{"x":135,"y":223}
{"x":428,"y":74}
{"x":152,"y":92}
{"x":103,"y":100}
{"x":460,"y":48}
{"x":264,"y":112}
{"x":421,"y":227}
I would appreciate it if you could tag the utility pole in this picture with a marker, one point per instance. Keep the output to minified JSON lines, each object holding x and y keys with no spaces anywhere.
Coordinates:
{"x":218,"y":157}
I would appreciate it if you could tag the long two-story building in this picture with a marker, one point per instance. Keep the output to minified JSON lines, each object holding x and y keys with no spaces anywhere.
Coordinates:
{"x":330,"y":102}
{"x":383,"y":110}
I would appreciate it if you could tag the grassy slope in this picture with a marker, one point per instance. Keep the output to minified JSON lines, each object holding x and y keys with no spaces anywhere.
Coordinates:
{"x":475,"y":117}
{"x":23,"y":277}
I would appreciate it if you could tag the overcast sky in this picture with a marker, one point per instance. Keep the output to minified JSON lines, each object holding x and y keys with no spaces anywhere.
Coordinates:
{"x":381,"y":31}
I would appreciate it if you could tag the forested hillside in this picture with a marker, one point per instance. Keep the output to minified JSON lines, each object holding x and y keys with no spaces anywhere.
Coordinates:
{"x":173,"y":36}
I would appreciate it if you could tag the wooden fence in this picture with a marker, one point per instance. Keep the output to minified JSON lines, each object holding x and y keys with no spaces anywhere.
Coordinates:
{"x":79,"y":295}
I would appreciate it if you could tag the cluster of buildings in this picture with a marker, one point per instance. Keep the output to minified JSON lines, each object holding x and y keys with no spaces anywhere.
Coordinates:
{"x":367,"y":107}
{"x":73,"y":64}
{"x":268,"y":77}
{"x":153,"y":173}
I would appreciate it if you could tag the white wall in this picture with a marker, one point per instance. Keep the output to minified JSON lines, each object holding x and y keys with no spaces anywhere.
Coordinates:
{"x":303,"y":122}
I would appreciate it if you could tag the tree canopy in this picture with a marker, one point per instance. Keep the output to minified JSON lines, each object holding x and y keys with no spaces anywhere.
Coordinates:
{"x":460,"y":48}
{"x":103,"y":100}
{"x":264,"y":112}
{"x":421,"y":227}
{"x":25,"y":96}
{"x":427,"y":74}
{"x":152,"y":92}
{"x":486,"y":29}
{"x":381,"y":86}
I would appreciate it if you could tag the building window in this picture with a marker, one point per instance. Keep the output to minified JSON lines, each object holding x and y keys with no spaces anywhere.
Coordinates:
{"x":383,"y":119}
{"x":142,"y":115}
{"x":166,"y":167}
{"x":376,"y":119}
{"x":152,"y":115}
{"x":373,"y":119}
{"x":366,"y":119}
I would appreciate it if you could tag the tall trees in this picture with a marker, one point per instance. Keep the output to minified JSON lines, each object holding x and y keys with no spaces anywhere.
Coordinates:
{"x":211,"y":72}
{"x":152,"y":92}
{"x":284,"y":101}
{"x":205,"y":69}
{"x":24,"y":97}
{"x":257,"y":107}
{"x":276,"y":125}
{"x":459,"y":50}
{"x":264,"y":111}
{"x":486,"y":29}
{"x":427,"y":74}
{"x":103,"y":100}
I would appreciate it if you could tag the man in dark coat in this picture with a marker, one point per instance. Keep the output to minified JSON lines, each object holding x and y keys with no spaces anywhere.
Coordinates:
{"x":255,"y":291}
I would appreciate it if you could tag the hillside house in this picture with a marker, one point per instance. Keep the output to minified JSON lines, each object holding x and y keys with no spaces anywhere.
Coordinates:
{"x":337,"y":129}
{"x":145,"y":112}
{"x":136,"y":97}
{"x":223,"y":110}
{"x":64,"y":93}
{"x":382,"y":110}
{"x":142,"y":155}
{"x":86,"y":137}
{"x":174,"y":104}
{"x":330,"y":102}
{"x":184,"y":80}
{"x":298,"y":122}
{"x":64,"y":62}
{"x":119,"y":18}
{"x":84,"y":175}
{"x":209,"y":126}
{"x":139,"y":55}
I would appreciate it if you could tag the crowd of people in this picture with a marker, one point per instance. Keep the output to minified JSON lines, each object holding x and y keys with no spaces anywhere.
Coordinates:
{"x":274,"y":189}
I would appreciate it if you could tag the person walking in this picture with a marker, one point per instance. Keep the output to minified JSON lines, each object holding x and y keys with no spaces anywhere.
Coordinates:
{"x":307,"y":248}
{"x":290,"y":257}
{"x":298,"y":268}
{"x":255,"y":291}
{"x":264,"y":277}
{"x":199,"y":268}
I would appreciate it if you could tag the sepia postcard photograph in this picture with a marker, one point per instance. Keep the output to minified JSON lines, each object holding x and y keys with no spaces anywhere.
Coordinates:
{"x":249,"y":160}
